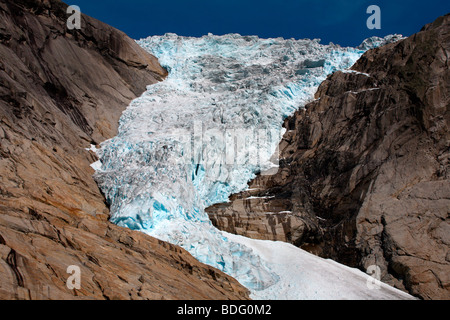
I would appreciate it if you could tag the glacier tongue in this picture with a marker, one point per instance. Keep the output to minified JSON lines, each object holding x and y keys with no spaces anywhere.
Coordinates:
{"x":203,"y":133}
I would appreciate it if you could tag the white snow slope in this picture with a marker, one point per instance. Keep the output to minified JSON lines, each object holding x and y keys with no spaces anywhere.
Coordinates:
{"x":201,"y":135}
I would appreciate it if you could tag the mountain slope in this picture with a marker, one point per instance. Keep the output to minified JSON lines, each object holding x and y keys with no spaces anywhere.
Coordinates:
{"x":364,"y":173}
{"x":61,"y":91}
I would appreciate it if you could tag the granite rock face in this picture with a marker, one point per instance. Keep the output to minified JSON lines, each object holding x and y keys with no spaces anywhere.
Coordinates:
{"x":364,"y":173}
{"x":61,"y":91}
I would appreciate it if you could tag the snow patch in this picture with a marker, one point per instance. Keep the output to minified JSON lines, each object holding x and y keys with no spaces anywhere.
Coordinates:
{"x":304,"y":276}
{"x":356,"y":72}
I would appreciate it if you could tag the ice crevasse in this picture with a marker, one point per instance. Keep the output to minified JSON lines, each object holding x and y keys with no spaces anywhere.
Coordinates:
{"x":200,"y":135}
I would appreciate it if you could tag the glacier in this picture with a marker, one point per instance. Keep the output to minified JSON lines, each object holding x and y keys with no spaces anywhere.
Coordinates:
{"x":200,"y":135}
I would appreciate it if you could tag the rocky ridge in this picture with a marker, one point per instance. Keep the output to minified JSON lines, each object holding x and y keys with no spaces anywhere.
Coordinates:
{"x":61,"y":91}
{"x":364,"y":169}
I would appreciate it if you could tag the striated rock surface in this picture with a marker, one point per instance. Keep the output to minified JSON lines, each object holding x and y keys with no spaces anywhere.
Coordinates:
{"x":364,"y":173}
{"x":60,"y":91}
{"x":37,"y":247}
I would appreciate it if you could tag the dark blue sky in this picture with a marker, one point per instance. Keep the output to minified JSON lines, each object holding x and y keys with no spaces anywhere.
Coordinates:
{"x":341,"y":21}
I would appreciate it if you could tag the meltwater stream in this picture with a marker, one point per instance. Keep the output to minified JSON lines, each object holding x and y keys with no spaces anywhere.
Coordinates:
{"x":203,"y":133}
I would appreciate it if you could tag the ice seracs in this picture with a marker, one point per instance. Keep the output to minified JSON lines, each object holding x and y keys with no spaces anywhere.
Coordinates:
{"x":374,"y":42}
{"x":202,"y":134}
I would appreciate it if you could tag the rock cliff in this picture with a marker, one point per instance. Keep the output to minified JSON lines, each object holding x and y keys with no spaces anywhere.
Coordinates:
{"x":61,"y":91}
{"x":364,"y":169}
